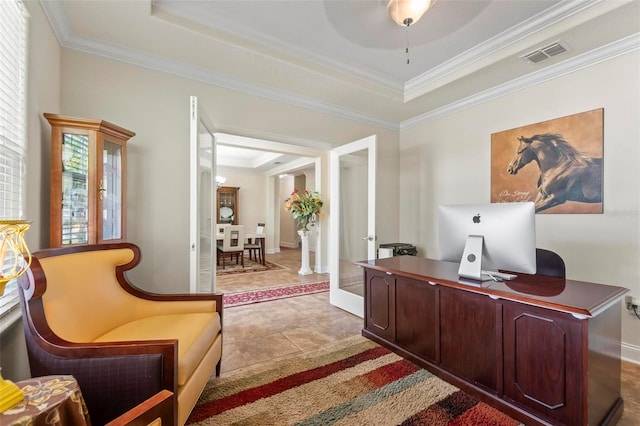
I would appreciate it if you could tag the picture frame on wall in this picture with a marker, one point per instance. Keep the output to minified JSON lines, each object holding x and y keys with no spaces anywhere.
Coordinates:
{"x":558,"y":164}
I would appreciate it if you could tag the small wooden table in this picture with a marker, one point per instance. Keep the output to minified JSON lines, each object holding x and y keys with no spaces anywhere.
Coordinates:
{"x":48,"y":400}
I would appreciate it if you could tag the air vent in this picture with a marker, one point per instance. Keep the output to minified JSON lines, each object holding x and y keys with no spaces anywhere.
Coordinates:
{"x":545,"y":52}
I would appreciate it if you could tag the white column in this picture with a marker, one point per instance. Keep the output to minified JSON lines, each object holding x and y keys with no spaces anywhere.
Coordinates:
{"x":304,"y":237}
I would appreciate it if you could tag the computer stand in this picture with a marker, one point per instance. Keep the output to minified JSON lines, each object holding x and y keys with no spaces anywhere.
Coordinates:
{"x":471,"y":263}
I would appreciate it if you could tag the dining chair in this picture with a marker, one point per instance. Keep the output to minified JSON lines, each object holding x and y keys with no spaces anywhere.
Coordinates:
{"x":255,"y":247}
{"x":232,"y":244}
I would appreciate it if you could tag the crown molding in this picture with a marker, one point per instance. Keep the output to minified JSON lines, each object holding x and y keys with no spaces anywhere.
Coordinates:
{"x":192,"y":72}
{"x":593,"y":57}
{"x":61,"y":28}
{"x":468,"y":61}
{"x":268,"y":142}
{"x":287,"y":50}
{"x":58,"y":21}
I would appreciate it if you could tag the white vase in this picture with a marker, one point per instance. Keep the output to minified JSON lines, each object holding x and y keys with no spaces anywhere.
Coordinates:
{"x":304,"y":237}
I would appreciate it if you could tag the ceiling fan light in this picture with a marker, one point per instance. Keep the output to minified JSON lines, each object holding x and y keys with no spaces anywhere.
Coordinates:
{"x":407,"y":12}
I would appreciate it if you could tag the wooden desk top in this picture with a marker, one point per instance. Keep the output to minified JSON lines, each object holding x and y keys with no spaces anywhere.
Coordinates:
{"x":581,"y":299}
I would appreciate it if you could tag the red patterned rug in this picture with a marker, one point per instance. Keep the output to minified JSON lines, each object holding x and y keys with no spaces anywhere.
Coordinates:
{"x":249,"y":267}
{"x":254,"y":296}
{"x":354,"y":382}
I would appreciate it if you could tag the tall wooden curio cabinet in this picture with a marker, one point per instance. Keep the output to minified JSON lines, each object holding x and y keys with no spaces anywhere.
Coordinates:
{"x":227,"y":205}
{"x":88,"y":181}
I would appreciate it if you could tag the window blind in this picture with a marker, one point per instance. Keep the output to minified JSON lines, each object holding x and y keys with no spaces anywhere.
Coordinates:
{"x":13,"y":45}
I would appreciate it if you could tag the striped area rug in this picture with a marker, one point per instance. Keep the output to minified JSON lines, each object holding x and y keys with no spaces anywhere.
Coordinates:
{"x":355,"y":382}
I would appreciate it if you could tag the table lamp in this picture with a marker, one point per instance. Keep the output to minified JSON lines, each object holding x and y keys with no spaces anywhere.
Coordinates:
{"x":15,"y":258}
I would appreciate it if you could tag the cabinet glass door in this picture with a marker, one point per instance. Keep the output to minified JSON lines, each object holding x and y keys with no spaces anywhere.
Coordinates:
{"x":227,"y":208}
{"x":88,"y":181}
{"x":75,"y":189}
{"x":110,"y":191}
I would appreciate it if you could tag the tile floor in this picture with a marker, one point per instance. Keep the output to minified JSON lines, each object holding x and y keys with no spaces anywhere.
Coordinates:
{"x":288,"y":258}
{"x":263,"y":332}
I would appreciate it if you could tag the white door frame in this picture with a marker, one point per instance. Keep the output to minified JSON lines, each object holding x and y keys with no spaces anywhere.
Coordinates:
{"x":272,"y":192}
{"x":348,"y":301}
{"x":196,"y":159}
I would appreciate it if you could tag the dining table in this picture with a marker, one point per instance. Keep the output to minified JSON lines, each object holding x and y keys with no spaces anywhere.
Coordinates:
{"x":250,"y":236}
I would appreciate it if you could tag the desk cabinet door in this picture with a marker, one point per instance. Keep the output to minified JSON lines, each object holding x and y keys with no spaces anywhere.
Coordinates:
{"x":543,"y":362}
{"x":417,"y":317}
{"x":470,"y":336}
{"x":380,"y":304}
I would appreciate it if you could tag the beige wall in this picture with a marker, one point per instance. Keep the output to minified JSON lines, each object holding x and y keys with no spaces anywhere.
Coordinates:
{"x":447,"y":162}
{"x":43,"y":95}
{"x":303,"y":180}
{"x":252,"y":198}
{"x":155,"y":106}
{"x":288,"y":236}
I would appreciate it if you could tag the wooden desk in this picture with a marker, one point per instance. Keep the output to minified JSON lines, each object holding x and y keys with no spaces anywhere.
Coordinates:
{"x":543,"y":350}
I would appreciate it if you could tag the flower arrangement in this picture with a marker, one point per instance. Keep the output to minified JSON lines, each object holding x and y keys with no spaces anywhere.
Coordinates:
{"x":304,"y":207}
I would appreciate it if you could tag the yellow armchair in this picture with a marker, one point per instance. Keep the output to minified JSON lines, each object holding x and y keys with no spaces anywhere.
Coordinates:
{"x":123,"y":345}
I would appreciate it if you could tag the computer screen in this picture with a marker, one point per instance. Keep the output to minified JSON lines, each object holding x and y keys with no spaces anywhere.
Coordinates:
{"x":486,"y":238}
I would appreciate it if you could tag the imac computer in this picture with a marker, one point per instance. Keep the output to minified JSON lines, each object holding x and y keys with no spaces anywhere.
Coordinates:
{"x":486,"y":238}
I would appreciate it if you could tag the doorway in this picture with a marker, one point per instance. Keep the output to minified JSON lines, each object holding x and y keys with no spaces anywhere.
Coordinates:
{"x":261,"y":197}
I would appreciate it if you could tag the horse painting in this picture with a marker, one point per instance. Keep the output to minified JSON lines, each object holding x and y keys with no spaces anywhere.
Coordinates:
{"x":566,"y":174}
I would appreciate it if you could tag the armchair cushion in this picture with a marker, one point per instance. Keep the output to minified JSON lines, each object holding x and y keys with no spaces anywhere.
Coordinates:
{"x":195,"y":333}
{"x":82,"y":317}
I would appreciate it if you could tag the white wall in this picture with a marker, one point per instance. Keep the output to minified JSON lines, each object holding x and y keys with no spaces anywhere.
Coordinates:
{"x":155,"y":106}
{"x":448,"y":161}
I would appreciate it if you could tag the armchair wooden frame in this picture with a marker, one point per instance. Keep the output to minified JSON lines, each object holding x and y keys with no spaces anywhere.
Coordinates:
{"x":113,"y":376}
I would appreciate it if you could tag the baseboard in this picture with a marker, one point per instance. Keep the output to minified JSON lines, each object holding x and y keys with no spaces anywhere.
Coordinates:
{"x":630,"y":353}
{"x":321,"y":269}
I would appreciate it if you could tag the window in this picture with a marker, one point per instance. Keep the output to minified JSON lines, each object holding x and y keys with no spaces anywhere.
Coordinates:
{"x":13,"y":50}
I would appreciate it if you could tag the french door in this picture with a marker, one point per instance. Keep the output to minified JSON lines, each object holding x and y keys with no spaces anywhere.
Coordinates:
{"x":352,"y":220}
{"x":202,"y":265}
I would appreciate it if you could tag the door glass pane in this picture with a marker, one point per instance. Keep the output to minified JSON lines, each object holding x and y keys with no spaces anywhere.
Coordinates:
{"x":75,"y":203}
{"x":206,"y":210}
{"x":353,"y":219}
{"x":110,"y":191}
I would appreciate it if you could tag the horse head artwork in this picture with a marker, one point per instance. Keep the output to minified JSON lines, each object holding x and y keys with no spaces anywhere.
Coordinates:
{"x":566,"y":174}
